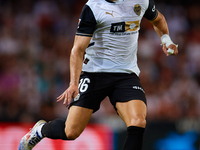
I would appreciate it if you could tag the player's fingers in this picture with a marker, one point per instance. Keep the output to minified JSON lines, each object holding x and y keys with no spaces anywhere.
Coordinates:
{"x":75,"y":94}
{"x":68,"y":98}
{"x":176,"y":51}
{"x":65,"y":100}
{"x":174,"y":48}
{"x":61,"y":97}
{"x":165,"y":50}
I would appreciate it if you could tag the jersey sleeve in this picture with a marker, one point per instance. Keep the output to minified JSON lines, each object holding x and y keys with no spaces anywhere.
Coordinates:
{"x":151,"y":12}
{"x":87,"y":22}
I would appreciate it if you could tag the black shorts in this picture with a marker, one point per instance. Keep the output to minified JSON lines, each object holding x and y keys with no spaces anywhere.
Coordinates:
{"x":119,"y":87}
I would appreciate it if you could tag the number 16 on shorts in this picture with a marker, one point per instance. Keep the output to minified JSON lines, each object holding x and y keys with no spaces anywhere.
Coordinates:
{"x":83,"y":84}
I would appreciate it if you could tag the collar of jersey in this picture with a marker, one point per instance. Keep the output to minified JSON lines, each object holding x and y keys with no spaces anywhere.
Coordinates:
{"x":118,"y":1}
{"x":109,"y":1}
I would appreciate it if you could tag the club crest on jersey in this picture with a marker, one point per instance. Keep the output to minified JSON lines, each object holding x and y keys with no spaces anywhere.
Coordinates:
{"x":137,"y":9}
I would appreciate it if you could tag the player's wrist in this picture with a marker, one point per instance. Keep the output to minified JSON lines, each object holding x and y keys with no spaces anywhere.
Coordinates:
{"x":74,"y":83}
{"x":165,"y":39}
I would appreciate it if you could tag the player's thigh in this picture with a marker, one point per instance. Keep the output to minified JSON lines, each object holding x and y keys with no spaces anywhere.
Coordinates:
{"x":77,"y":119}
{"x":133,"y":112}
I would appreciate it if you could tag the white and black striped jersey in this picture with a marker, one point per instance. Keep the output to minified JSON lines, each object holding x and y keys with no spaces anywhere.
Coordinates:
{"x":114,"y":28}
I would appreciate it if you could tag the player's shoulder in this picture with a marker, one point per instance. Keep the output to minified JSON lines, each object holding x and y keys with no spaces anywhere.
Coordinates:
{"x":94,"y":5}
{"x":141,"y":3}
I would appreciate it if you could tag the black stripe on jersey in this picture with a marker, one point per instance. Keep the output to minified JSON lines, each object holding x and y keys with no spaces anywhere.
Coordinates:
{"x":83,"y":34}
{"x":87,"y":22}
{"x":91,"y":44}
{"x":151,"y":13}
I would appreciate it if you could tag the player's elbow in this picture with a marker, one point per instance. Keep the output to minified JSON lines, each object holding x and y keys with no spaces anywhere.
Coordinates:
{"x":160,"y":19}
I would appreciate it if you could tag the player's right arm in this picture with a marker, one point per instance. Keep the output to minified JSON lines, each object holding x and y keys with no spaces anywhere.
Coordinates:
{"x":86,"y":28}
{"x":76,"y":62}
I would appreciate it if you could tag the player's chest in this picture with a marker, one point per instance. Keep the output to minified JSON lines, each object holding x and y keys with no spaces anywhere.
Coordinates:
{"x":120,"y":18}
{"x":119,"y":12}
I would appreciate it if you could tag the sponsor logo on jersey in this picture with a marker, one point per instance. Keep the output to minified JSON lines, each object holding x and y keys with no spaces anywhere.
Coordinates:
{"x":132,"y":25}
{"x":109,"y":13}
{"x":118,"y":27}
{"x":124,"y":26}
{"x":137,"y":9}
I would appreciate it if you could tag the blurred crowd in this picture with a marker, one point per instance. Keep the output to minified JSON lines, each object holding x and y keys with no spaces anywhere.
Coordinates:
{"x":36,"y":37}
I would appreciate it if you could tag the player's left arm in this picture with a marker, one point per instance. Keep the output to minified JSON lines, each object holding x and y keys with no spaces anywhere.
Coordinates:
{"x":161,"y":28}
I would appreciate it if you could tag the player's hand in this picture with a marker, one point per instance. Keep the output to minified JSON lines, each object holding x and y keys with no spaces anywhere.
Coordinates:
{"x":68,"y":94}
{"x":173,"y":47}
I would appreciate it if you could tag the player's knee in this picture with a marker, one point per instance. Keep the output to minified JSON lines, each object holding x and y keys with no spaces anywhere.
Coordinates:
{"x":138,"y":121}
{"x":71,"y":134}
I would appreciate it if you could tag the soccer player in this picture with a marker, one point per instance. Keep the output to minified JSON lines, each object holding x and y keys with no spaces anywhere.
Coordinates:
{"x":103,"y":62}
